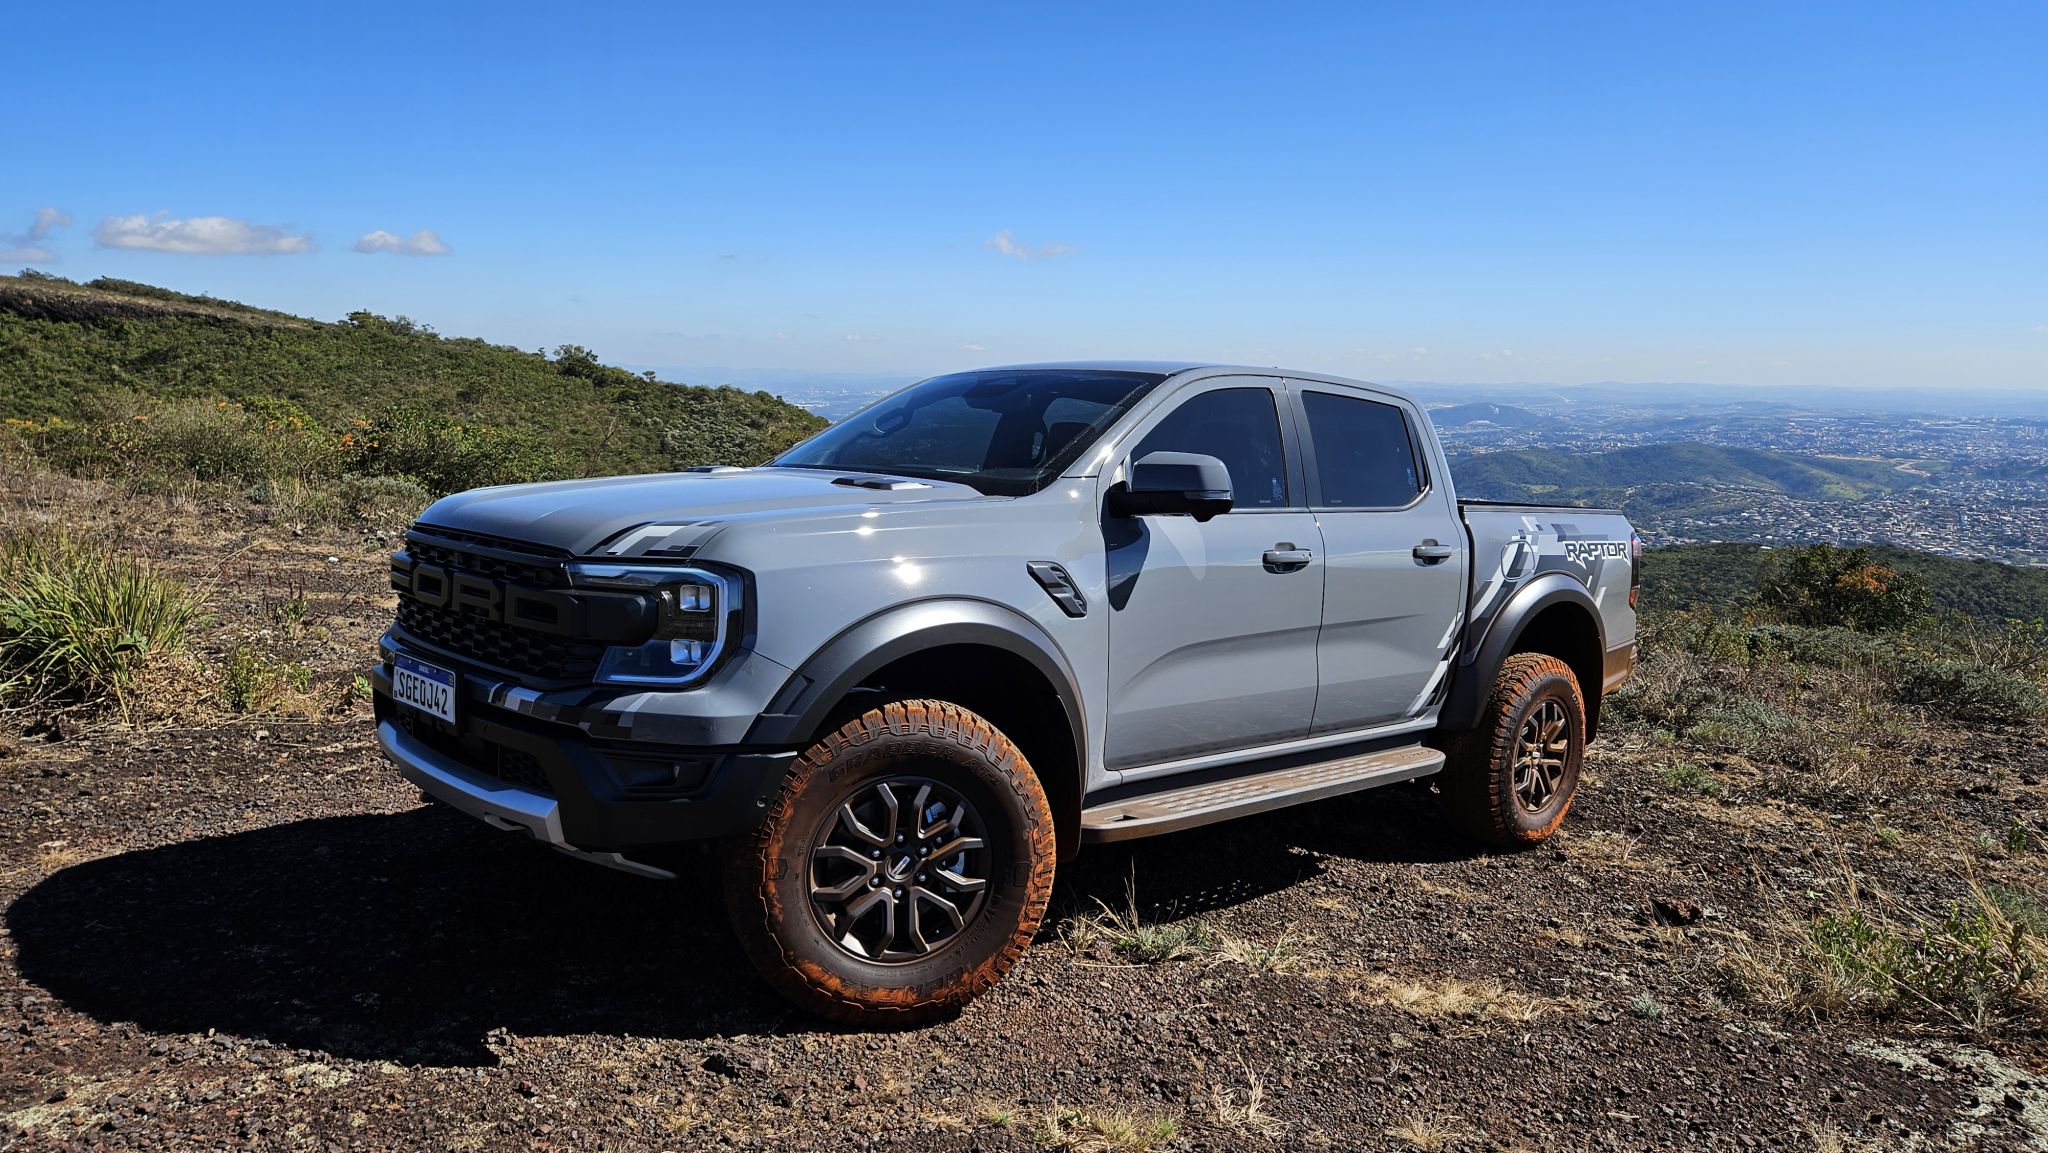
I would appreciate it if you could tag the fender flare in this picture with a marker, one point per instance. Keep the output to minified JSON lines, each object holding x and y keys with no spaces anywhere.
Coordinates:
{"x":1472,"y":680}
{"x":797,"y":713}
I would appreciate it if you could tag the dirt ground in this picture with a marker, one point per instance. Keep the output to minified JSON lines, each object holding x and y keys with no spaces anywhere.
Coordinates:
{"x":246,"y":931}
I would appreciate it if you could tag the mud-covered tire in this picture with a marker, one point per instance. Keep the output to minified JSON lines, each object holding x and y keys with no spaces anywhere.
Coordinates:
{"x":1487,"y":782}
{"x":769,"y":876}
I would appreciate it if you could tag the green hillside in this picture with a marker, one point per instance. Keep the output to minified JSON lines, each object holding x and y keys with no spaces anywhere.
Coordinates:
{"x":1691,"y":576}
{"x":93,"y":356}
{"x":1614,"y":477}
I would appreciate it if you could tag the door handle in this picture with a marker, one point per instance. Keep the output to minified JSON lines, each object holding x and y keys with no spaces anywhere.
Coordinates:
{"x":1284,"y":557}
{"x":1430,"y":552}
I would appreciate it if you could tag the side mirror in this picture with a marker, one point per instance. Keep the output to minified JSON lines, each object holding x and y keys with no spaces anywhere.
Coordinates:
{"x":1167,"y":483}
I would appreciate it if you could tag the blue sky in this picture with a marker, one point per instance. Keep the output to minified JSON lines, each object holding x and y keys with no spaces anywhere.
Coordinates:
{"x":1811,"y":193}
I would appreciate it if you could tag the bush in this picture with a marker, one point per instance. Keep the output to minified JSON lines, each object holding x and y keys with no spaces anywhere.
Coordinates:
{"x":1823,"y":585}
{"x":1980,"y":963}
{"x":382,"y":498}
{"x":76,"y":622}
{"x":215,"y":442}
{"x":1834,"y":647}
{"x":1971,"y":690}
{"x":1974,"y":964}
{"x":447,"y":456}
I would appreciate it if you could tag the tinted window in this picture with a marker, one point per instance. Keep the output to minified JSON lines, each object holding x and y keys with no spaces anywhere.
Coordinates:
{"x":1006,"y":431}
{"x":1364,"y":457}
{"x":1238,"y":426}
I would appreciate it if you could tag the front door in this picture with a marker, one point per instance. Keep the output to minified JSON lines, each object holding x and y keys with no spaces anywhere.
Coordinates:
{"x":1212,"y":634}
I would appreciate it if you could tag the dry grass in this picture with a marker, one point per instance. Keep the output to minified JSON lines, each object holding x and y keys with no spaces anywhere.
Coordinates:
{"x":1454,"y":998}
{"x":1091,"y":1131}
{"x":1431,"y":1134}
{"x":1243,"y":1110}
{"x":1602,"y":846}
{"x":1981,"y":963}
{"x":1276,"y":956}
{"x":1829,"y":1139}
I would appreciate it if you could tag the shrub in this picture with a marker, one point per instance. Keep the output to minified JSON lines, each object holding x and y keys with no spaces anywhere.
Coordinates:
{"x":1970,"y":690}
{"x":1979,"y":963}
{"x":1691,"y":777}
{"x":76,"y":622}
{"x":382,"y":498}
{"x":448,"y":456}
{"x":1824,"y":585}
{"x":1834,"y":646}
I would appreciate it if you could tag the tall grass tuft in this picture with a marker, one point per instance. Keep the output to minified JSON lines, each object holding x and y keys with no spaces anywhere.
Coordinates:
{"x":76,"y":622}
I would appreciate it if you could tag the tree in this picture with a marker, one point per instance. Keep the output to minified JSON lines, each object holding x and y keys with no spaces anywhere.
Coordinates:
{"x":1825,"y":585}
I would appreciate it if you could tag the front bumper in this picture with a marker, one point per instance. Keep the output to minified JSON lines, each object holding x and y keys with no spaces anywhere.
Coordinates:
{"x":585,"y":795}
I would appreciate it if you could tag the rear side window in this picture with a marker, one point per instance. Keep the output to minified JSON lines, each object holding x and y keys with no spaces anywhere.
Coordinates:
{"x":1238,"y":426}
{"x":1364,"y":455}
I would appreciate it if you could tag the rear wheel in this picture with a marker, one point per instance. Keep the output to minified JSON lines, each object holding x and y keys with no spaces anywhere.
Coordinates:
{"x":901,"y":870}
{"x":1510,"y":781}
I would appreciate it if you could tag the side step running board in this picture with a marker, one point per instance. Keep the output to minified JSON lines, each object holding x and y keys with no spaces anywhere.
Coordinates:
{"x":1172,"y":810}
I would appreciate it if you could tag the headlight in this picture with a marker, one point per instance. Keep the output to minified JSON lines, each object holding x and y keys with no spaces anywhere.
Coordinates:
{"x":692,"y":607}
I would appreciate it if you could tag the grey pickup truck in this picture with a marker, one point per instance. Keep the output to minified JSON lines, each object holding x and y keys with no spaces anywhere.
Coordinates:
{"x":899,"y":673}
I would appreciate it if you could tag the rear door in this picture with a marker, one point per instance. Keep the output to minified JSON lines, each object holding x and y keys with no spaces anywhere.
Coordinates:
{"x":1393,"y":551}
{"x":1212,"y":627}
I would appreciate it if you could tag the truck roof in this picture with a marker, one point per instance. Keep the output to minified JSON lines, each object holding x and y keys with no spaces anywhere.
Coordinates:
{"x":1171,"y":367}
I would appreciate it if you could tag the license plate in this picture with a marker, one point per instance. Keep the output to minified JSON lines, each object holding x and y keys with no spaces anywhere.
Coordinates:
{"x":424,"y":687}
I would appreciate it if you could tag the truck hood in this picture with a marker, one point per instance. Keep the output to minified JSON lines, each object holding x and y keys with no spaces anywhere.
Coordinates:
{"x":583,"y":517}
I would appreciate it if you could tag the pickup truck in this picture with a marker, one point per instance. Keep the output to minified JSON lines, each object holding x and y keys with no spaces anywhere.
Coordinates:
{"x":896,"y":675}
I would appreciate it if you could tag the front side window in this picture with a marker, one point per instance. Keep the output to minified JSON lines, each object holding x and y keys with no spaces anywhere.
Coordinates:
{"x":1006,"y":432}
{"x":1238,"y":426}
{"x":1364,"y":455}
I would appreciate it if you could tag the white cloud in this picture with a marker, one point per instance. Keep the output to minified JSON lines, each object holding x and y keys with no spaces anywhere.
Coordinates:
{"x":28,"y":247}
{"x":972,"y":348}
{"x":861,"y":337}
{"x":784,"y":336}
{"x":425,"y":242}
{"x":162,"y":232}
{"x":1005,"y":244}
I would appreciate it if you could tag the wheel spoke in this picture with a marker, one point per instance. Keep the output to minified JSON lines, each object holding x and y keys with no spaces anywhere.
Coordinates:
{"x":955,"y":847}
{"x":923,"y":898}
{"x":856,"y":910}
{"x":853,"y":825}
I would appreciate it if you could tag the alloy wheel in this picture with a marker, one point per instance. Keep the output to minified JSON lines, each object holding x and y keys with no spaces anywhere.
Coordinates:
{"x":899,"y":870}
{"x":1541,"y":750}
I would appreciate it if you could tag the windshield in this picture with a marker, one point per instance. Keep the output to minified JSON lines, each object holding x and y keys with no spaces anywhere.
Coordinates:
{"x":1007,"y":432}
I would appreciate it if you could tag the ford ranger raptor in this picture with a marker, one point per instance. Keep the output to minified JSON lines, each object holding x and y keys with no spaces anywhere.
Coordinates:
{"x":898,"y":674}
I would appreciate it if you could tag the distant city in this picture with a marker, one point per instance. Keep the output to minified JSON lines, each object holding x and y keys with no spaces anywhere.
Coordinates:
{"x":1954,"y":472}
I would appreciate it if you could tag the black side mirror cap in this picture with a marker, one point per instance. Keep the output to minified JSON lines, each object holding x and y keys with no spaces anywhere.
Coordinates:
{"x":1173,"y":483}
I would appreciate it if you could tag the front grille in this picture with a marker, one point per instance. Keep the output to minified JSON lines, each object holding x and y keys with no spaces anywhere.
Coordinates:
{"x":538,"y":572}
{"x":475,"y":636}
{"x":499,"y":645}
{"x":512,"y":766}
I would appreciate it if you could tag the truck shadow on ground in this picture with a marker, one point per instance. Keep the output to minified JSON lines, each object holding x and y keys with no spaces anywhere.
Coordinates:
{"x":410,"y":936}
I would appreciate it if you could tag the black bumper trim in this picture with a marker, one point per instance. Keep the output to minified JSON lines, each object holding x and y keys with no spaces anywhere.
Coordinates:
{"x":597,"y":811}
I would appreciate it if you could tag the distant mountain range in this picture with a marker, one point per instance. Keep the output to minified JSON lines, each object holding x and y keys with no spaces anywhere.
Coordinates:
{"x":1480,"y":412}
{"x":1611,"y":477}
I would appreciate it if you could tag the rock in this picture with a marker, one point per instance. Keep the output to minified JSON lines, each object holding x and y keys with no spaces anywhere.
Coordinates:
{"x":1674,"y":911}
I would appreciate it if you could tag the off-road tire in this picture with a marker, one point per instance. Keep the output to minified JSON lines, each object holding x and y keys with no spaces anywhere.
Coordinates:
{"x":1479,"y":777}
{"x":768,"y":875}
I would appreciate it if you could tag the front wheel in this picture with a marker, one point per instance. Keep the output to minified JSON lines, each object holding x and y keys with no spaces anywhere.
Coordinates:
{"x":1510,"y":781}
{"x":901,"y":870}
